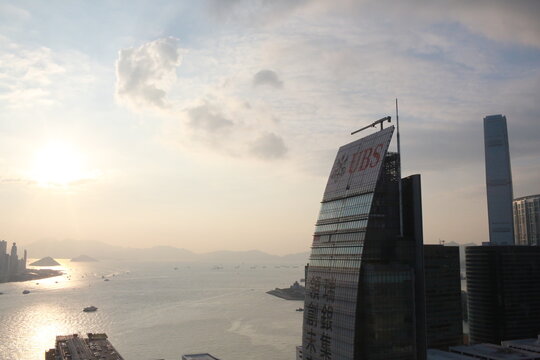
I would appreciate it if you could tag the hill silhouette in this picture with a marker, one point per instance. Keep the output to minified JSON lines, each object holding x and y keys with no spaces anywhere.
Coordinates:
{"x":46,"y":261}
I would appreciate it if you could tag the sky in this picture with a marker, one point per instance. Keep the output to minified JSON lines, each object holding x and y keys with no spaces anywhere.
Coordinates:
{"x":213,"y":125}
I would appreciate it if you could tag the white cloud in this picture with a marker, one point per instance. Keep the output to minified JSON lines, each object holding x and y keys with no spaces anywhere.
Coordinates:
{"x":229,"y":126}
{"x":144,"y":74}
{"x":268,"y":78}
{"x":39,"y":75}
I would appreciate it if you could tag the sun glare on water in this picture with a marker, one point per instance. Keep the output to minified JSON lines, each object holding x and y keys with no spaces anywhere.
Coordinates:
{"x":59,"y":164}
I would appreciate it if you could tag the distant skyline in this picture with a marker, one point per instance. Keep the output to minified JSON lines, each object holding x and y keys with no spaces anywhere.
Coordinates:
{"x":213,"y":125}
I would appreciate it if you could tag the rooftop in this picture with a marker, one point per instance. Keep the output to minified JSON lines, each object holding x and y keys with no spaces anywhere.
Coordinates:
{"x":532,"y":345}
{"x":527,"y":197}
{"x":76,"y":347}
{"x":204,"y":356}
{"x":434,"y":354}
{"x":494,"y":352}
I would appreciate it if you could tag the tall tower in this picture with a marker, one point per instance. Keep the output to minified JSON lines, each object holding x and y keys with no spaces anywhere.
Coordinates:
{"x":3,"y":261}
{"x":360,"y":283}
{"x":498,"y":181}
{"x":13,"y":261}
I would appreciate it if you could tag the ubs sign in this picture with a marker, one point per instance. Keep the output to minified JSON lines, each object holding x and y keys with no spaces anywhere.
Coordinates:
{"x":358,"y":163}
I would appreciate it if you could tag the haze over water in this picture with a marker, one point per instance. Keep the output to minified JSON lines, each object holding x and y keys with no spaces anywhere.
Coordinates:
{"x":150,"y":310}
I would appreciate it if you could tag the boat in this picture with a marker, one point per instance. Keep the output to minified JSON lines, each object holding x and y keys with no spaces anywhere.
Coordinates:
{"x":26,"y":292}
{"x":106,"y":280}
{"x":90,"y":309}
{"x":299,"y":309}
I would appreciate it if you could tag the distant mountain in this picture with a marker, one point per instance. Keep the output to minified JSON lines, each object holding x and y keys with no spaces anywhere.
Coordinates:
{"x":252,"y":256}
{"x":83,"y":258}
{"x":66,"y":249}
{"x":46,"y":261}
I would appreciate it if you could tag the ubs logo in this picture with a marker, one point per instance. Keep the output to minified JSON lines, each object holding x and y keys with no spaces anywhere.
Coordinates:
{"x":361,"y":160}
{"x":340,"y":167}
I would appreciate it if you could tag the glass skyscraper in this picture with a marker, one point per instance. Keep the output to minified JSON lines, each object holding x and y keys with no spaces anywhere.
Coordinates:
{"x":498,"y":181}
{"x":360,"y":283}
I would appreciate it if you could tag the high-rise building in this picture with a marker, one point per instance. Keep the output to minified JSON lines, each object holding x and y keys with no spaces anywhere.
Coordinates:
{"x":527,"y":220}
{"x":360,"y":284}
{"x":3,"y":261}
{"x":503,"y":287}
{"x":498,"y":181}
{"x":13,"y":261}
{"x":443,"y":297}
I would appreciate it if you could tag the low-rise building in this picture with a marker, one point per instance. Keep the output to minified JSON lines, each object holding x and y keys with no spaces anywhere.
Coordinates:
{"x":494,"y":352}
{"x":532,"y":345}
{"x":436,"y":354}
{"x":76,"y":347}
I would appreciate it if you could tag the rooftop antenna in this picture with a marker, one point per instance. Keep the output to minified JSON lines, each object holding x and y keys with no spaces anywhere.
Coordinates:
{"x":380,"y":121}
{"x":399,"y":172}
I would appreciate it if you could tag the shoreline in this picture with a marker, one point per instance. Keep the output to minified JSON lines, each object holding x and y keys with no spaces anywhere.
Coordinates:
{"x":35,"y":274}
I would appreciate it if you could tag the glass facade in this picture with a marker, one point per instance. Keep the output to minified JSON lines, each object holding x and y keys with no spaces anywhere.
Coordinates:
{"x":498,"y":180}
{"x":359,"y":305}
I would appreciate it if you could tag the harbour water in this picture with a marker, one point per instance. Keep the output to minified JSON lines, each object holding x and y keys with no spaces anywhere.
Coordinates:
{"x":152,"y":311}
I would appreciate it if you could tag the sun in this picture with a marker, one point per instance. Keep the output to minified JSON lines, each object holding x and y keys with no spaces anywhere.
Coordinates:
{"x":58,"y":164}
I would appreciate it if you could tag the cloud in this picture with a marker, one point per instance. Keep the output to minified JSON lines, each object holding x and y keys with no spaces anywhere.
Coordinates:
{"x":253,"y":12}
{"x":39,"y":76}
{"x":10,"y":12}
{"x":208,"y":118}
{"x":144,"y":74}
{"x":500,"y":20}
{"x":267,"y":77}
{"x":268,"y":146}
{"x":227,"y":125}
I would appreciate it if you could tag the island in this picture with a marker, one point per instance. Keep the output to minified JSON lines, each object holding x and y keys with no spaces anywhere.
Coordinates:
{"x":35,"y":274}
{"x":46,"y":261}
{"x":293,"y":292}
{"x":83,"y":258}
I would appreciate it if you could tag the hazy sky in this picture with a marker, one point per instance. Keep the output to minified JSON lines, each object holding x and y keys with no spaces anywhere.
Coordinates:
{"x":213,"y":125}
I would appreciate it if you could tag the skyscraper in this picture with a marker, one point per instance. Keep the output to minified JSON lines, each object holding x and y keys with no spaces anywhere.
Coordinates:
{"x":443,"y":297}
{"x":13,"y":261}
{"x":498,"y":181}
{"x":3,"y":261}
{"x":527,"y":220}
{"x":360,"y":290}
{"x":503,"y":287}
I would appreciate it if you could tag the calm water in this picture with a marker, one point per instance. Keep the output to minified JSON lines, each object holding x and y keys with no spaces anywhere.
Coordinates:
{"x":151,"y":311}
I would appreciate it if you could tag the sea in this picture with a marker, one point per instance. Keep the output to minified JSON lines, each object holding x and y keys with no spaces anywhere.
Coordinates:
{"x":156,"y":310}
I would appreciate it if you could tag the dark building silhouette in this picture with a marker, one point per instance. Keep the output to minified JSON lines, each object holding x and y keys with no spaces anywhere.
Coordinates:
{"x":361,"y":282}
{"x":443,"y":297}
{"x":503,"y":286}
